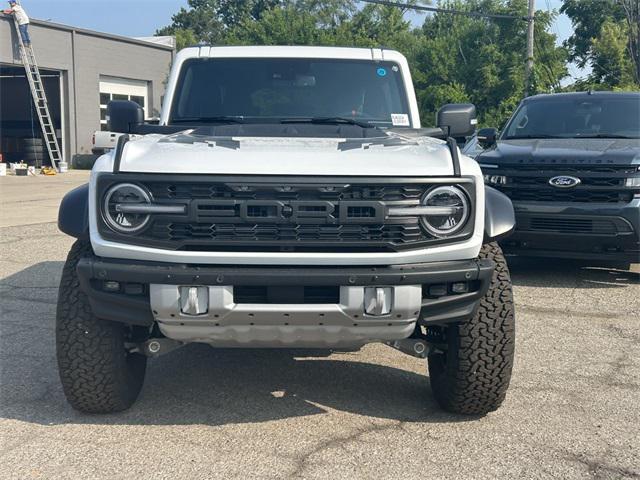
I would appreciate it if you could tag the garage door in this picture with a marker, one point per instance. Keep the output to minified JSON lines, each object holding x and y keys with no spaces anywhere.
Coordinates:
{"x":112,"y":88}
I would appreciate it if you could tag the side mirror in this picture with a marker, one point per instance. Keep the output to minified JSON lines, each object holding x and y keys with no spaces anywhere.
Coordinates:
{"x":124,"y":116}
{"x":457,"y":119}
{"x":487,"y":137}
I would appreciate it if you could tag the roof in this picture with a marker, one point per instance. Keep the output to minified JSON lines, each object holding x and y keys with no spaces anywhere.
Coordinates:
{"x":93,"y":33}
{"x":289,"y":51}
{"x":585,"y":95}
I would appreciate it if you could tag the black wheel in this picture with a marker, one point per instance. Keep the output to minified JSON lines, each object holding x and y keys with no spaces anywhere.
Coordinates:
{"x":98,"y":374}
{"x":473,"y":375}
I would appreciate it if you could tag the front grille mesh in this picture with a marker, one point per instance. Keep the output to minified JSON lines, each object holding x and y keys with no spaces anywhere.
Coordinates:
{"x":598,"y":183}
{"x":569,"y":225}
{"x":338,"y":192}
{"x":184,"y":231}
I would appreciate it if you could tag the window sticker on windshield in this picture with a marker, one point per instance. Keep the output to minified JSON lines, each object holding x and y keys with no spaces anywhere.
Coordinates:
{"x":400,"y":119}
{"x":382,"y":72}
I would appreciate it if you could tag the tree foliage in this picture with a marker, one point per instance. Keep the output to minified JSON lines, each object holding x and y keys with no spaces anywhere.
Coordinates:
{"x":606,"y":38}
{"x":453,"y":58}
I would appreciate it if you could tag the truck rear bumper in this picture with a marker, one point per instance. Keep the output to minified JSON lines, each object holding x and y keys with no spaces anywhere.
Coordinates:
{"x":282,"y":307}
{"x":580,"y":231}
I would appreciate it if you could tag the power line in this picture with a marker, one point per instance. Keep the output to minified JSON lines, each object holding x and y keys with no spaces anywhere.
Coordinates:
{"x":424,"y":8}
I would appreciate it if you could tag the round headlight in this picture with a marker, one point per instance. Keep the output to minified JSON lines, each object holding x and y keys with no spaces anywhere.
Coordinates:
{"x":117,"y":217}
{"x":455,"y":213}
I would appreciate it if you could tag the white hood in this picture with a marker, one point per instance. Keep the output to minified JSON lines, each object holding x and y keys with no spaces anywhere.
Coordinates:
{"x":393,"y":155}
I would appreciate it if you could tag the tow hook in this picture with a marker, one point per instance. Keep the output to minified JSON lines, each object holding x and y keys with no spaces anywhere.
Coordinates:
{"x":416,"y":347}
{"x":154,"y":347}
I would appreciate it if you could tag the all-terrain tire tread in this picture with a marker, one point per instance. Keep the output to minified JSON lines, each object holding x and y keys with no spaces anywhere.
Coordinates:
{"x":476,"y":375}
{"x":97,"y":374}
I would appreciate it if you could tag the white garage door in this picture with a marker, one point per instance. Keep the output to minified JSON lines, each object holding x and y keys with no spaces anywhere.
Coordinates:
{"x":112,"y":88}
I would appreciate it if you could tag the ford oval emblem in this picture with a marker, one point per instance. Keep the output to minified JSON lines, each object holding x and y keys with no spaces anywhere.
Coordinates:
{"x":564,"y":181}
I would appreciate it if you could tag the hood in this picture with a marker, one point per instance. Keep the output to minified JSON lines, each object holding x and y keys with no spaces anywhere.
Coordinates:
{"x":569,"y":150}
{"x":389,"y":155}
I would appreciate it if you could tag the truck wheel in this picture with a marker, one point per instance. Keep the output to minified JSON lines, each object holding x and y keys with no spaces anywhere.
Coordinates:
{"x":98,"y":374}
{"x":473,"y":375}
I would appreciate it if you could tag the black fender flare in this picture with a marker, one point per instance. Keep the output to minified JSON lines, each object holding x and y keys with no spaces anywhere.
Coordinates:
{"x":499,"y":215}
{"x":73,"y":216}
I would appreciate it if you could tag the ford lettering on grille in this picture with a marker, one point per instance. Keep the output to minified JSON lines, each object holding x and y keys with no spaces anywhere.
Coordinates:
{"x":293,"y":211}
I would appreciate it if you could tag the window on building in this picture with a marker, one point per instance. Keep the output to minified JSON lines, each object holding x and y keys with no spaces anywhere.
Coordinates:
{"x":122,"y":89}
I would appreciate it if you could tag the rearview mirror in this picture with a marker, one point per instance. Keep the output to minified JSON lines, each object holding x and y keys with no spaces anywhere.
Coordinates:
{"x":487,"y":137}
{"x":457,"y":119}
{"x":124,"y":116}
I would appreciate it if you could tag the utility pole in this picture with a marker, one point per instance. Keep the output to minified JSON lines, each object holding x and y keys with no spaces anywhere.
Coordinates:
{"x":529,"y":68}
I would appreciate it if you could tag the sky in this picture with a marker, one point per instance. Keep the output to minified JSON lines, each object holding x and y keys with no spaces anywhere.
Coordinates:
{"x":140,"y":18}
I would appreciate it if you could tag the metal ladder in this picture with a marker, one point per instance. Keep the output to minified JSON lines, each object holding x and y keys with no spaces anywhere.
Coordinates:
{"x":39,"y":99}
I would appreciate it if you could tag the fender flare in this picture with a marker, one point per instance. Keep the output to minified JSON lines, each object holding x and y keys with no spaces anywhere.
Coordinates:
{"x":499,"y":215}
{"x":73,"y":215}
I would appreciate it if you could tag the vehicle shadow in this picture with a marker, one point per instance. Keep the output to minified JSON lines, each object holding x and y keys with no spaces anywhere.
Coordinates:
{"x":562,"y":273}
{"x":197,"y":384}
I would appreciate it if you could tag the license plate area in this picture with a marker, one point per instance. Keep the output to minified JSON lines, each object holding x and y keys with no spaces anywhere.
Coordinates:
{"x":287,"y":295}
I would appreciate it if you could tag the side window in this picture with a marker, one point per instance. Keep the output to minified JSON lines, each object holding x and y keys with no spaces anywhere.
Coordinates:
{"x":520,"y":121}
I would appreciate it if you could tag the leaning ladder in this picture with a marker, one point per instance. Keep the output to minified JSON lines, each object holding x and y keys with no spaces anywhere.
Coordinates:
{"x":39,"y":98}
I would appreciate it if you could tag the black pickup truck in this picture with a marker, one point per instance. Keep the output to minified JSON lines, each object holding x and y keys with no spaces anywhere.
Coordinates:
{"x":571,"y":165}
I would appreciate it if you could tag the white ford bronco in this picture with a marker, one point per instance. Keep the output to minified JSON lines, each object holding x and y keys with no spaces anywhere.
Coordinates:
{"x":288,"y":198}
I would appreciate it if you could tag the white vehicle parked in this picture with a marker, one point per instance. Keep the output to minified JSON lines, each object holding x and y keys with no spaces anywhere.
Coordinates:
{"x":288,"y":198}
{"x":103,"y":142}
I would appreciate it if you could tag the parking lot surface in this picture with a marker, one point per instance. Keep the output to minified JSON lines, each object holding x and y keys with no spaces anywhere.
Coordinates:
{"x":572,"y":410}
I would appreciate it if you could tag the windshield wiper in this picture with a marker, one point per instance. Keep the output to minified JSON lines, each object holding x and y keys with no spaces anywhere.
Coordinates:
{"x":214,"y":119}
{"x":603,"y":135}
{"x":538,"y":135}
{"x":328,"y":121}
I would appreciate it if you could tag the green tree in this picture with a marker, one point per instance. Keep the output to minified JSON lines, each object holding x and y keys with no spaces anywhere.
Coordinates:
{"x":482,"y":60}
{"x":612,"y":64}
{"x":606,"y":38}
{"x":210,"y":20}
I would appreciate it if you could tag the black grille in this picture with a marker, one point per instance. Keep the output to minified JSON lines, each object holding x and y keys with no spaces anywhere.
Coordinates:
{"x":562,"y":224}
{"x":398,"y":234}
{"x":572,"y":225}
{"x":557,"y":195}
{"x":287,"y":217}
{"x":248,"y":191}
{"x":598,"y":183}
{"x":247,"y":214}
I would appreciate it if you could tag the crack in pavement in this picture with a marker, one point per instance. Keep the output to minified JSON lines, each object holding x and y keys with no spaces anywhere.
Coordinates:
{"x":601,"y":470}
{"x":302,"y":462}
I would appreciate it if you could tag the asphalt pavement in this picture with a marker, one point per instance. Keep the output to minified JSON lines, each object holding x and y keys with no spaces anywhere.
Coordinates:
{"x":572,"y":410}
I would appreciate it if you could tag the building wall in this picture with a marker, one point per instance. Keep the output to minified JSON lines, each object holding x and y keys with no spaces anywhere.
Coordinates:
{"x":83,"y":56}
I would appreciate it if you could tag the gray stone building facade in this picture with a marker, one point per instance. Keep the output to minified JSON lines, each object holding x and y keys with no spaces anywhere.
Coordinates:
{"x":82,"y":71}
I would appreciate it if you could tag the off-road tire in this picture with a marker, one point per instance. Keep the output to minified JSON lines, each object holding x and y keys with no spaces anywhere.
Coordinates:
{"x":98,"y":374}
{"x":473,"y":375}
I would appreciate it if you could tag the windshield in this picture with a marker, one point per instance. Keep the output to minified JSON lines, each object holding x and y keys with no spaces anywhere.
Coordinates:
{"x":290,"y":89}
{"x":604,"y":117}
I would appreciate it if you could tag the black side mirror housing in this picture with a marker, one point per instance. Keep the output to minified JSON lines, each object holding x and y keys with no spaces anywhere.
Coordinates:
{"x":457,"y":119}
{"x":124,"y":116}
{"x":487,"y":137}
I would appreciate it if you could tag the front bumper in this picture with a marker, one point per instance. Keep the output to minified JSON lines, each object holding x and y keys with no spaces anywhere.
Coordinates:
{"x":577,"y":230}
{"x":148,"y":294}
